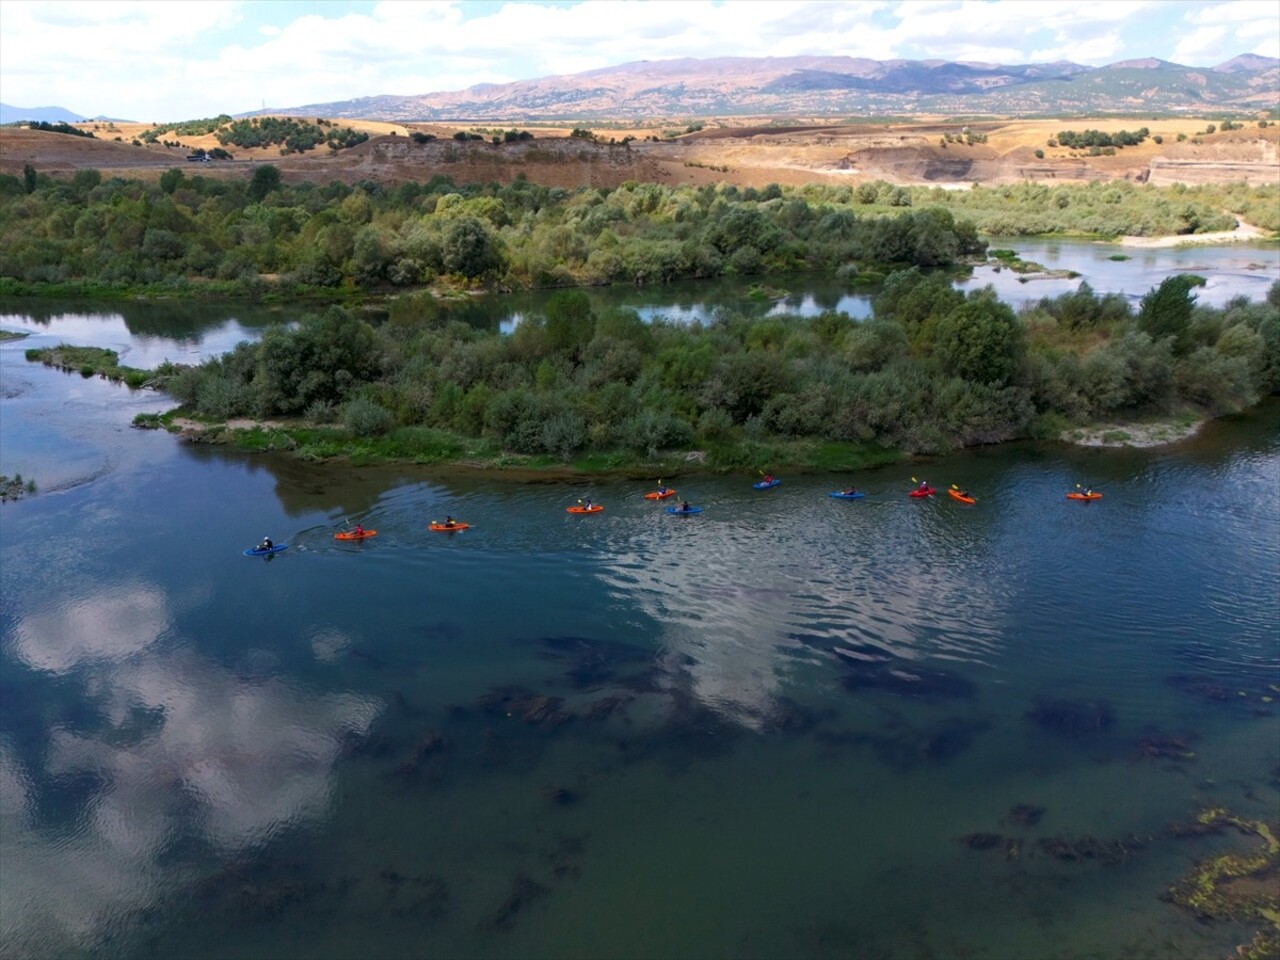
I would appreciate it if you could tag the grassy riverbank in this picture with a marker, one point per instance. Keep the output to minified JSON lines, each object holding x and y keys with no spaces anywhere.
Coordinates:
{"x":424,"y":445}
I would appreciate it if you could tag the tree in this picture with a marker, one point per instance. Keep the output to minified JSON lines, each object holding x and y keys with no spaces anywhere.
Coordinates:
{"x":29,"y":178}
{"x":570,"y":322}
{"x":981,"y":340}
{"x":266,"y":178}
{"x":170,"y":180}
{"x":1165,"y":311}
{"x":323,"y":359}
{"x":469,"y":249}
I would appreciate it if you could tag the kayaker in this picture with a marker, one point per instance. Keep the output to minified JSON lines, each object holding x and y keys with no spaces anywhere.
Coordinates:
{"x":586,"y":504}
{"x":684,"y":506}
{"x":924,"y":485}
{"x":768,"y":478}
{"x":1088,"y":491}
{"x":964,"y":493}
{"x":662,"y":487}
{"x":450,"y":522}
{"x":850,"y":491}
{"x":359,"y":531}
{"x":266,"y":544}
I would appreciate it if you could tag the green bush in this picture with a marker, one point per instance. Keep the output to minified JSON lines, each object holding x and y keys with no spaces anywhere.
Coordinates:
{"x":365,"y":418}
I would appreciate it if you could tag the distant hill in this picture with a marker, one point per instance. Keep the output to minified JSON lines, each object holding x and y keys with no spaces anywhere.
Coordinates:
{"x":824,"y":86}
{"x":11,"y":114}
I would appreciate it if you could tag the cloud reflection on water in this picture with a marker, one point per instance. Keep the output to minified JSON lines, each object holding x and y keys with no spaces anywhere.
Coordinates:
{"x":184,"y":747}
{"x":743,"y":605}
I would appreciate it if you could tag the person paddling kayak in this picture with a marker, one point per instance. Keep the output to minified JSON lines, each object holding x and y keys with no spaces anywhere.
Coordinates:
{"x":266,"y":544}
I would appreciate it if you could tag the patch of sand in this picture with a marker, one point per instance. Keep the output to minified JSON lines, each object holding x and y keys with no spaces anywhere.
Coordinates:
{"x":1242,"y":232}
{"x":1137,"y":435}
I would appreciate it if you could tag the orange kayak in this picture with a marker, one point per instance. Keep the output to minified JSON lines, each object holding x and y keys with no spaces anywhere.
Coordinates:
{"x":447,"y":527}
{"x":963,"y":498}
{"x":659,"y":494}
{"x":1084,"y":496}
{"x":595,"y":508}
{"x":353,"y":535}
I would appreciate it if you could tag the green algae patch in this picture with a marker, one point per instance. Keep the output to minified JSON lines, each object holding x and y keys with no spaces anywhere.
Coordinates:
{"x":1240,"y":887}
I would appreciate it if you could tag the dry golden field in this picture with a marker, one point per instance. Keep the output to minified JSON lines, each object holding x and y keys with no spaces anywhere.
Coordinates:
{"x":747,"y":151}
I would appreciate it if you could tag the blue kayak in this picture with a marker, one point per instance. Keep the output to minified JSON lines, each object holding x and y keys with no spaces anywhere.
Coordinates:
{"x":840,"y":495}
{"x":678,"y":512}
{"x":766,"y":484}
{"x":259,"y":552}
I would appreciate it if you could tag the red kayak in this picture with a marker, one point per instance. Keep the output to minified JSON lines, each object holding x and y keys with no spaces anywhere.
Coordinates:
{"x":919,"y":494}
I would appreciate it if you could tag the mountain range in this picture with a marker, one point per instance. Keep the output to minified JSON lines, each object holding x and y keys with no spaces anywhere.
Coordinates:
{"x":824,"y":86}
{"x":12,"y":114}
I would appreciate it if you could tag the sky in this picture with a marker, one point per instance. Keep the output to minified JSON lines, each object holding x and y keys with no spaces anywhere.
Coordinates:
{"x":164,"y":60}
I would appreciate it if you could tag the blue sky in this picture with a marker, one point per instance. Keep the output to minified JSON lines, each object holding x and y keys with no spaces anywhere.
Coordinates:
{"x":187,"y":58}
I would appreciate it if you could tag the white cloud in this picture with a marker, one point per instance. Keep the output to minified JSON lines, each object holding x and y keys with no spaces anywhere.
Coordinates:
{"x":1192,"y":47}
{"x":1101,"y":49}
{"x":175,"y":60}
{"x":1235,"y":12}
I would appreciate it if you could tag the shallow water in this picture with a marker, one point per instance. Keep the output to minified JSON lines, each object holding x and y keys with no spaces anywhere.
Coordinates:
{"x":759,"y":731}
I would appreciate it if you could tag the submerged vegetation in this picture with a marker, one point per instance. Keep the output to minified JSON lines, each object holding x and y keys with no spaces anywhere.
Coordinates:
{"x":933,"y":369}
{"x":1240,"y":887}
{"x":14,"y":488}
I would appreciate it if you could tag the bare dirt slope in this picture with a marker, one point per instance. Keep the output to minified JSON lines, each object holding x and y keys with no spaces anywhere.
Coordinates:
{"x":743,"y":151}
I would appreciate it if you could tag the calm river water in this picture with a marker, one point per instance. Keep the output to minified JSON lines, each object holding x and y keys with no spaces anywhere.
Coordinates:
{"x":757,"y":732}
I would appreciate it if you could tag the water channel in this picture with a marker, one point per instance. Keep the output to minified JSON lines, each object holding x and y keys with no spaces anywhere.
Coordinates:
{"x":761,"y":731}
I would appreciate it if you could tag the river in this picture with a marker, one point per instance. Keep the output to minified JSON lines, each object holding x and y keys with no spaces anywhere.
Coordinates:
{"x":760,"y":731}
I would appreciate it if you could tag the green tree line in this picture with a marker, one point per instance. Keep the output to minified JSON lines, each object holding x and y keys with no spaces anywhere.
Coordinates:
{"x":1098,"y":208}
{"x":932,"y":369}
{"x":185,"y":231}
{"x":1083,"y":139}
{"x":294,"y":136}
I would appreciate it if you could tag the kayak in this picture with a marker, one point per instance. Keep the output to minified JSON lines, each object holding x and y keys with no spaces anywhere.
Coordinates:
{"x":259,"y":552}
{"x":676,"y":511}
{"x":595,"y":508}
{"x":766,"y":484}
{"x":352,"y":535}
{"x":956,"y":494}
{"x":1084,"y":496}
{"x":841,"y":495}
{"x":918,"y":494}
{"x":447,"y":527}
{"x":659,"y":494}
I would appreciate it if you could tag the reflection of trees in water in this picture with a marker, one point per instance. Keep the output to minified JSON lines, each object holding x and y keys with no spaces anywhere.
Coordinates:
{"x":185,"y":321}
{"x":685,"y":301}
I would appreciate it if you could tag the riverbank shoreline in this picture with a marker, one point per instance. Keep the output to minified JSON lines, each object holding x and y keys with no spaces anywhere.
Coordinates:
{"x":1243,"y":233}
{"x":473,"y":456}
